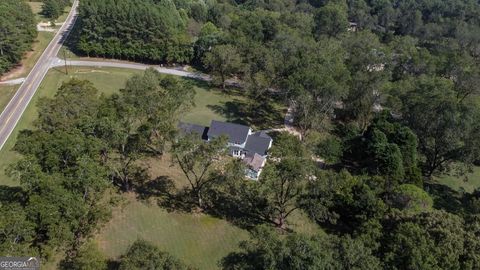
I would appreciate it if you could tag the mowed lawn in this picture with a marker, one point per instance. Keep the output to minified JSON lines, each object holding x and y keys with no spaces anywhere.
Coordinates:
{"x":469,"y":183}
{"x":197,"y":239}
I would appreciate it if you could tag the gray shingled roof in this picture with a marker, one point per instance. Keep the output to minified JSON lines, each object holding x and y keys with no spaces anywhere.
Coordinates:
{"x":255,"y":162}
{"x":187,"y":128}
{"x":258,"y":143}
{"x":236,"y":133}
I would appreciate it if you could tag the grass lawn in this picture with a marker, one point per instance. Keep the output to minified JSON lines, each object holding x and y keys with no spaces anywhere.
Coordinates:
{"x":37,"y":10}
{"x":197,"y":239}
{"x":6,"y":93}
{"x":468,"y":183}
{"x":206,"y":102}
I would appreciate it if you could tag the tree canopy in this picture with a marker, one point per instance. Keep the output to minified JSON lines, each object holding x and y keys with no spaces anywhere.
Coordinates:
{"x":17,"y":32}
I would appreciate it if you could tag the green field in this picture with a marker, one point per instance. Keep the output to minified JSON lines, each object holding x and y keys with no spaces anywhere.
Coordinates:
{"x":199,"y":240}
{"x":468,"y":183}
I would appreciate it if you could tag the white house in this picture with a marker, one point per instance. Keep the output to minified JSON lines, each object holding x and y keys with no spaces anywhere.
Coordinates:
{"x":243,"y":143}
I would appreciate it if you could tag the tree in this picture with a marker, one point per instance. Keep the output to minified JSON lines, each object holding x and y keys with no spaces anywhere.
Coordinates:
{"x":411,"y":198}
{"x":156,"y":103}
{"x":141,"y":119}
{"x":143,"y":255}
{"x":444,"y":127}
{"x":118,"y":127}
{"x":74,"y":105}
{"x":17,"y":32}
{"x":88,"y":258}
{"x":387,"y":148}
{"x":287,"y":145}
{"x":430,"y":240}
{"x":331,"y":19}
{"x":321,"y":195}
{"x":343,"y":203}
{"x":17,"y":231}
{"x":281,"y":184}
{"x":387,"y":156}
{"x":196,"y":158}
{"x":411,"y":248}
{"x":53,"y":9}
{"x":150,"y":31}
{"x":471,"y":258}
{"x":368,"y":63}
{"x":315,"y":83}
{"x":352,"y":253}
{"x":223,"y":60}
{"x":268,"y":250}
{"x":330,"y":149}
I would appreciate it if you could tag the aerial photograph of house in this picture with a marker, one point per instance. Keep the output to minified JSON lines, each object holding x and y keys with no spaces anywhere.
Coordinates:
{"x":243,"y":143}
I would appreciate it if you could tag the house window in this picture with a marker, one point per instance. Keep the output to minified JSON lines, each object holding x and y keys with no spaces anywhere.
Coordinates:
{"x":236,"y":152}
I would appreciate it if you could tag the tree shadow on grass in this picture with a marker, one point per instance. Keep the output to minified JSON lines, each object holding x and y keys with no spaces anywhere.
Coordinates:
{"x":218,"y":204}
{"x":166,"y":194}
{"x":261,"y":116}
{"x":445,"y":198}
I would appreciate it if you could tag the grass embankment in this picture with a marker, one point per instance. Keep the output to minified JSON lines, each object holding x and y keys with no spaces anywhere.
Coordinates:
{"x":6,"y":93}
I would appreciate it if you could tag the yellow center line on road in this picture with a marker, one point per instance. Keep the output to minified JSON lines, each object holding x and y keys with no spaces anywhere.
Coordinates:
{"x":24,"y":94}
{"x":29,"y":86}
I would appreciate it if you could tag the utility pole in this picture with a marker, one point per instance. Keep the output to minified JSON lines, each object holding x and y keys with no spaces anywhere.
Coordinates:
{"x":65,"y":57}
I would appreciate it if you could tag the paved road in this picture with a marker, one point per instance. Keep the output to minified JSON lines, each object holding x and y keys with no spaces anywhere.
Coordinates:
{"x":17,"y":105}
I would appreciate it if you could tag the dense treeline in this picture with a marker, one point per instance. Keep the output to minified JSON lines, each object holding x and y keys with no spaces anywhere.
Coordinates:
{"x":144,"y":30}
{"x":17,"y":32}
{"x":342,"y":59}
